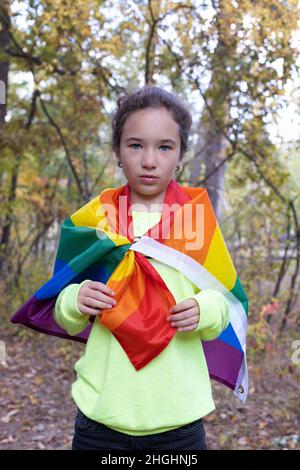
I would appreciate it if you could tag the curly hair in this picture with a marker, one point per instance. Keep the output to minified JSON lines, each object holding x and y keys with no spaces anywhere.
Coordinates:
{"x":151,"y":97}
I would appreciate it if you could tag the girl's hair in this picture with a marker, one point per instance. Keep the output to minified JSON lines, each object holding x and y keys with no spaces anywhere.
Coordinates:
{"x":151,"y":97}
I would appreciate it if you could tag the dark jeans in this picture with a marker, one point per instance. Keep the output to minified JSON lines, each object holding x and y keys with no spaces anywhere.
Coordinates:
{"x":91,"y":435}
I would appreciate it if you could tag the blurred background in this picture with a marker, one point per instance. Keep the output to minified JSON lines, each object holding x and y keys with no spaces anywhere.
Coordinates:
{"x":63,"y":64}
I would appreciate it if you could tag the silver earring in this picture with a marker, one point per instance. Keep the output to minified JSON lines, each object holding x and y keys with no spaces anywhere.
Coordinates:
{"x":120,"y":164}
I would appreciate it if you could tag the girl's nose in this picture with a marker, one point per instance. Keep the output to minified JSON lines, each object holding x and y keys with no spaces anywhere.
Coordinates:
{"x":149,"y":158}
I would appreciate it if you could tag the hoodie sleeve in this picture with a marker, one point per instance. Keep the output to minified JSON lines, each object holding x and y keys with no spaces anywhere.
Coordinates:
{"x":214,"y":313}
{"x":66,"y":312}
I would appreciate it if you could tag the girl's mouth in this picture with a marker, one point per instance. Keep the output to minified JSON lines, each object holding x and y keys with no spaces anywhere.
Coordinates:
{"x":148,"y":179}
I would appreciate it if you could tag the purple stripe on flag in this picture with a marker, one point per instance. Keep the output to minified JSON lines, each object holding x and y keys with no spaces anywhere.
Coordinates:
{"x":224,"y":361}
{"x":38,"y":315}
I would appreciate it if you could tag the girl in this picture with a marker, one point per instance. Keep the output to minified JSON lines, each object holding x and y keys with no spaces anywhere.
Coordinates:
{"x":160,"y":406}
{"x":158,"y":302}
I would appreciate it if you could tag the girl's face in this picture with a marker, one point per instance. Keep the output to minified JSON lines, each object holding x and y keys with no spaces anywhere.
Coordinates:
{"x":149,"y":145}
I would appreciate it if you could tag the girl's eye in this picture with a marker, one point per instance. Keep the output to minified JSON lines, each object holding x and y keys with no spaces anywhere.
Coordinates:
{"x":166,"y":146}
{"x":134,"y":144}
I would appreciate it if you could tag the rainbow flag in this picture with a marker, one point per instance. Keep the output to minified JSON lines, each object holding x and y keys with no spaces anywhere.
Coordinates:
{"x":96,"y":242}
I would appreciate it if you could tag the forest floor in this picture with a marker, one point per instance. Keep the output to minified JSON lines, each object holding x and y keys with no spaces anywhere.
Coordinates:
{"x":37,"y":410}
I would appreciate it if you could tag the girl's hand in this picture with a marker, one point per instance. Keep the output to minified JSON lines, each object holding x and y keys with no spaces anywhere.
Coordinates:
{"x":185,"y":315}
{"x":94,"y":296}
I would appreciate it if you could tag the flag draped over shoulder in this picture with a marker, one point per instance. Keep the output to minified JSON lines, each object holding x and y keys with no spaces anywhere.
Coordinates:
{"x":96,"y":243}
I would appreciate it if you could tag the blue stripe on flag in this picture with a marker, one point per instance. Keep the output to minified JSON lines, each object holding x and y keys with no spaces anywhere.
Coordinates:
{"x":229,"y":337}
{"x":56,"y":283}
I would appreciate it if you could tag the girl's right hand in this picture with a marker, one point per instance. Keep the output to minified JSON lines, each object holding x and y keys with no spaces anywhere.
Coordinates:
{"x":93,"y":297}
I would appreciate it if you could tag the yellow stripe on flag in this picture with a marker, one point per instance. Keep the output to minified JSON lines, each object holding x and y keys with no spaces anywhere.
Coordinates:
{"x":218,"y":261}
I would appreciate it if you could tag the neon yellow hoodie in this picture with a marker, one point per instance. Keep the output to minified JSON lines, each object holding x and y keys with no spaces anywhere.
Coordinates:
{"x":171,"y":390}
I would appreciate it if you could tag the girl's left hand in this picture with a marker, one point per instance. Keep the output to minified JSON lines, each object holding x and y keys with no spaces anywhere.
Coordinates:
{"x":185,"y":315}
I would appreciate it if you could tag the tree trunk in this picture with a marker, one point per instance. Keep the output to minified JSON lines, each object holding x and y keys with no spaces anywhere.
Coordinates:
{"x":212,"y":144}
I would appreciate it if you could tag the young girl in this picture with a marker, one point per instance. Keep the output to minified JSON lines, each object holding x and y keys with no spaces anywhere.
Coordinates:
{"x":162,"y":311}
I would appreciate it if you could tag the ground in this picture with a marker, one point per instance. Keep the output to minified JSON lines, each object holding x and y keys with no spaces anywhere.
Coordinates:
{"x":37,"y":410}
